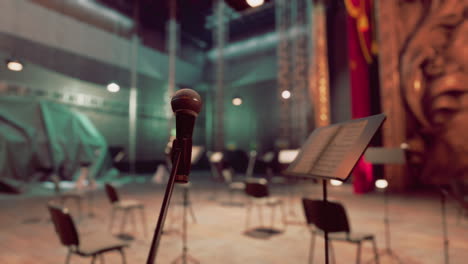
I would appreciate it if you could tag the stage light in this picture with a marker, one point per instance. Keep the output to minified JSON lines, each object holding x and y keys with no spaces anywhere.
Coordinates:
{"x":381,"y":184}
{"x":286,"y":94}
{"x":336,"y":182}
{"x":255,"y":3}
{"x":14,"y":65}
{"x":237,"y":101}
{"x":113,"y":87}
{"x":216,"y":157}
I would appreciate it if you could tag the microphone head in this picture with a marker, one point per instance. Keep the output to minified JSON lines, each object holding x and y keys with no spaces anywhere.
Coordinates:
{"x":186,"y":101}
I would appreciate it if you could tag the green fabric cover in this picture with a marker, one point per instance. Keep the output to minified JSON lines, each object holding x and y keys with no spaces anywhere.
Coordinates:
{"x":38,"y":134}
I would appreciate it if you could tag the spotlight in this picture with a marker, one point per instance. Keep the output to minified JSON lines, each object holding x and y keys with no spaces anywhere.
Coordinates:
{"x":14,"y":65}
{"x":286,"y":94}
{"x":255,"y":3}
{"x":113,"y":87}
{"x":381,"y":184}
{"x":216,"y":157}
{"x":336,"y":182}
{"x":237,"y":101}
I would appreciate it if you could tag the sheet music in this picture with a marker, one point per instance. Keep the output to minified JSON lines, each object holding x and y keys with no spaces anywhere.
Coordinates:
{"x":310,"y":155}
{"x":331,"y":158}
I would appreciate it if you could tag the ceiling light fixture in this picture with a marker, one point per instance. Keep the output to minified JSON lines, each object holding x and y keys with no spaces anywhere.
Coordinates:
{"x":381,"y":184}
{"x":14,"y":65}
{"x":336,"y":182}
{"x":286,"y":94}
{"x":236,"y":101}
{"x":255,"y":3}
{"x":113,"y":87}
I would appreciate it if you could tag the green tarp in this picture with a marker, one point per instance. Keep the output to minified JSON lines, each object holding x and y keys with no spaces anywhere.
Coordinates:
{"x":37,"y":134}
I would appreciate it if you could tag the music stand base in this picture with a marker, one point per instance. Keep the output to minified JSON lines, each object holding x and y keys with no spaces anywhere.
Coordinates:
{"x":184,"y":259}
{"x":391,"y":255}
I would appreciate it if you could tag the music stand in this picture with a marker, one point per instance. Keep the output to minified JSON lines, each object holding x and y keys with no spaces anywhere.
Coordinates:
{"x":185,"y":257}
{"x":333,"y":151}
{"x":386,"y":156}
{"x":285,"y":158}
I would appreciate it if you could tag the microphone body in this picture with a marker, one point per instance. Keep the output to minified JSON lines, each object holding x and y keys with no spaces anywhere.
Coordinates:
{"x":186,"y":104}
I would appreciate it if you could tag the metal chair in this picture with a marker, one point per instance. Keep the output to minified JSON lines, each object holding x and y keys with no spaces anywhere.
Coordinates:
{"x":259,"y":195}
{"x":329,"y":216}
{"x":83,"y":245}
{"x":76,"y":195}
{"x":126,"y":206}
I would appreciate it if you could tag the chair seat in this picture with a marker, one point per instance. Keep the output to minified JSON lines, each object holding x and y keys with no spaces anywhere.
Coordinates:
{"x":78,"y":194}
{"x":128,"y":204}
{"x":268,"y":201}
{"x":343,"y":236}
{"x":98,"y":243}
{"x":237,"y":185}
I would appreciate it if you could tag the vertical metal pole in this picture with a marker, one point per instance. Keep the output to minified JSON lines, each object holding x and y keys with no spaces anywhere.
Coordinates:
{"x":172,"y":48}
{"x":283,"y":21}
{"x":133,"y":100}
{"x":387,"y":222}
{"x":220,"y":35}
{"x":444,"y":227}
{"x":324,"y":189}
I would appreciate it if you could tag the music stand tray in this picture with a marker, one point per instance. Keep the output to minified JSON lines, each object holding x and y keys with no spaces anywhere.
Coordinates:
{"x":333,"y":151}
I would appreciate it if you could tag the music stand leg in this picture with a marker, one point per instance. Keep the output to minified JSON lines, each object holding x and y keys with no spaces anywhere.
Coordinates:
{"x":444,"y":228}
{"x":388,"y":250}
{"x":324,"y":186}
{"x":185,"y":258}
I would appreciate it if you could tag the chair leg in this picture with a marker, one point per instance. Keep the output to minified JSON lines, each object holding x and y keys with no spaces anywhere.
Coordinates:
{"x":311,"y":249}
{"x":80,"y":211}
{"x":93,"y":259}
{"x":192,"y":213}
{"x":124,"y":218}
{"x":122,"y":253}
{"x":143,"y":220}
{"x":283,"y":216}
{"x":376,"y":254}
{"x":273,"y":210}
{"x":332,"y":251}
{"x":131,"y":212}
{"x":260,"y":214}
{"x":247,"y":218}
{"x":101,"y":258}
{"x":67,"y":260}
{"x":112,"y":215}
{"x":358,"y":254}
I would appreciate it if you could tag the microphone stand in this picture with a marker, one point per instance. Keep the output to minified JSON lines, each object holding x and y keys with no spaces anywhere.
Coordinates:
{"x":165,"y":205}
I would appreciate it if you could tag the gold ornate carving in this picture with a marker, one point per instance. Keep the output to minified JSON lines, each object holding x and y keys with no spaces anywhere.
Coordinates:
{"x":319,"y":82}
{"x":426,"y":82}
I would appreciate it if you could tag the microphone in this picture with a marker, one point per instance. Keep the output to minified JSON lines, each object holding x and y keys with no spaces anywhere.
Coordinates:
{"x":186,"y":104}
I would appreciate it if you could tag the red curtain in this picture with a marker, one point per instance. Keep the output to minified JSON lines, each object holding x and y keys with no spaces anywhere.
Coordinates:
{"x":359,"y":31}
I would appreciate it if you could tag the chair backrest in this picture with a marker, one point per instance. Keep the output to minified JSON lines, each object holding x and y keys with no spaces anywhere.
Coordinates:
{"x":64,"y":225}
{"x":327,"y":216}
{"x":457,"y":189}
{"x":228,"y":174}
{"x":256,"y":187}
{"x":111,"y":193}
{"x":251,"y":164}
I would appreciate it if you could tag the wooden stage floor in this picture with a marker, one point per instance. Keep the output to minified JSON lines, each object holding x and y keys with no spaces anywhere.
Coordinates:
{"x":26,"y":235}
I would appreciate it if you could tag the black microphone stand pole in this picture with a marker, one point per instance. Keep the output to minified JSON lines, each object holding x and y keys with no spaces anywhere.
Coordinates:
{"x":165,"y":205}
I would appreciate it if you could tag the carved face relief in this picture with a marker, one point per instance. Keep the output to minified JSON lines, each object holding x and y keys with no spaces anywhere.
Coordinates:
{"x":434,"y":72}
